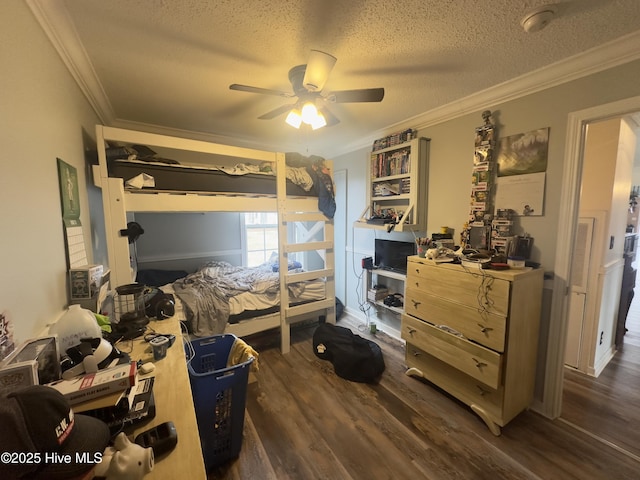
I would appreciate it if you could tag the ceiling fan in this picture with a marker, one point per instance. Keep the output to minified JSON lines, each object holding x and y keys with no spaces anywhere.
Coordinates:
{"x":308,"y":82}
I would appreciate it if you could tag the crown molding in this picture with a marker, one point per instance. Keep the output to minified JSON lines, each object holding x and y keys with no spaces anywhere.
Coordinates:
{"x":603,"y":57}
{"x":54,"y":19}
{"x":58,"y":26}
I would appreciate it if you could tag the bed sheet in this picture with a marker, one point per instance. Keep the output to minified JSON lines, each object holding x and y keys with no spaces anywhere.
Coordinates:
{"x":219,"y":290}
{"x":312,"y":290}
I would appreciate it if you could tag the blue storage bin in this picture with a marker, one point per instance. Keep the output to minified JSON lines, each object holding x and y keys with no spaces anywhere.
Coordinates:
{"x":219,"y":397}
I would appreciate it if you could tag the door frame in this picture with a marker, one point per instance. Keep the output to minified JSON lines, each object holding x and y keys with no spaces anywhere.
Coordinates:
{"x":567,"y":226}
{"x":340,"y":233}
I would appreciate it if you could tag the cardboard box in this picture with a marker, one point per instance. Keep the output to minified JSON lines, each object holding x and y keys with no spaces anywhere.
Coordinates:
{"x":85,"y":281}
{"x":18,"y":375}
{"x":134,"y":404}
{"x":93,"y":385}
{"x":115,"y":400}
{"x":44,"y":351}
{"x":375,"y":294}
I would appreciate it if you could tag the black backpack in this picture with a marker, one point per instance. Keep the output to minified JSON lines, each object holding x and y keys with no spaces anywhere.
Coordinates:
{"x":353,"y":357}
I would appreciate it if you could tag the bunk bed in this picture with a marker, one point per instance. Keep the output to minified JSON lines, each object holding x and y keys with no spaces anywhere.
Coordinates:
{"x":130,"y":184}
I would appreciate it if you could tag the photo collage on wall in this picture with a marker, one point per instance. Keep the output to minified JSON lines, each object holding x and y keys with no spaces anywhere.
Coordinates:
{"x":480,"y":227}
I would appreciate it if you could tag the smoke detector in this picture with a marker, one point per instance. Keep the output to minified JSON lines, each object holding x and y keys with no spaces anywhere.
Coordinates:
{"x":538,"y":18}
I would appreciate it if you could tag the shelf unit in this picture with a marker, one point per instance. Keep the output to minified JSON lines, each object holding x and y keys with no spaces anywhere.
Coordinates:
{"x":398,"y":179}
{"x":400,"y":278}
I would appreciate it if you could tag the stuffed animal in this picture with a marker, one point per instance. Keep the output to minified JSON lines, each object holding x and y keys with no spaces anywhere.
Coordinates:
{"x":125,"y":460}
{"x":432,"y":253}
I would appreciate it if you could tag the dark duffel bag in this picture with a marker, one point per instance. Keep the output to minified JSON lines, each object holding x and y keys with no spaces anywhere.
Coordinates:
{"x":353,"y":357}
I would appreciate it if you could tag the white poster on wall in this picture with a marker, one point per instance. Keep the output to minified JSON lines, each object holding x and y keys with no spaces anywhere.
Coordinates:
{"x":524,"y":194}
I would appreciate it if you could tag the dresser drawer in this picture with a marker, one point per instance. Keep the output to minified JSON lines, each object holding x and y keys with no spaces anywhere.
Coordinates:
{"x":476,"y":361}
{"x":462,"y":386}
{"x":480,"y":326}
{"x":475,"y":289}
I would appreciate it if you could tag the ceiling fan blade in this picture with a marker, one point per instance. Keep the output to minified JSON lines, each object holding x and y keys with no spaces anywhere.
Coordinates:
{"x":329,"y":117}
{"x":278,"y":111}
{"x":264,"y":91}
{"x":360,"y":95}
{"x":319,"y":67}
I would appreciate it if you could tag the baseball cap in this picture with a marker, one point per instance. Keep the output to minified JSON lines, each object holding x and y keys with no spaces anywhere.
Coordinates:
{"x":43,"y":438}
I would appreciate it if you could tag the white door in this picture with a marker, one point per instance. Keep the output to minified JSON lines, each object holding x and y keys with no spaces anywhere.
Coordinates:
{"x":578,"y":292}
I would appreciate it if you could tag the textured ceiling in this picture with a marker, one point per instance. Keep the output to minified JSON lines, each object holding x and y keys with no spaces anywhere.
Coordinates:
{"x":169,"y":63}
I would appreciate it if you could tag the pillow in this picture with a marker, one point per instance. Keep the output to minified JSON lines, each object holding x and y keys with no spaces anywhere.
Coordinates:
{"x":275,"y":265}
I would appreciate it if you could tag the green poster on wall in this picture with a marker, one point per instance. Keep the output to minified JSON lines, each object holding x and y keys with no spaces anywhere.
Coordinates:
{"x":70,"y":197}
{"x":68,"y":177}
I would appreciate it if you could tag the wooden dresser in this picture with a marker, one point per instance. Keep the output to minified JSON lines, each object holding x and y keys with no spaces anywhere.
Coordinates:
{"x":474,"y":333}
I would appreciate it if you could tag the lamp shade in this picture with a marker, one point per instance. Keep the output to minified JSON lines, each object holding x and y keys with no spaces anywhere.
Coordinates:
{"x":318,"y":122}
{"x":317,"y":70}
{"x":309,"y":113}
{"x":294,"y":118}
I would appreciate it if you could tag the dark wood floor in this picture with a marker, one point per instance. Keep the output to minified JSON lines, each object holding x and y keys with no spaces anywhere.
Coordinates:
{"x":609,"y":406}
{"x":304,"y":422}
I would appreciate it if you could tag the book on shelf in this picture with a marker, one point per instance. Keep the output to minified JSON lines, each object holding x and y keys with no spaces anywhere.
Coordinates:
{"x":394,"y":139}
{"x":391,"y":163}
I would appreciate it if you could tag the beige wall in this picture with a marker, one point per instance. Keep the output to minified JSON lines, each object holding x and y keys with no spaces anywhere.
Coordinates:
{"x":451,"y":159}
{"x":43,"y":116}
{"x":451,"y":155}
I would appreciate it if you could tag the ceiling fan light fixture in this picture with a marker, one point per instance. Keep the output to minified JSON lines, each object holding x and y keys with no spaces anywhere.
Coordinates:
{"x":318,"y":122}
{"x":294,"y":118}
{"x":317,"y":71}
{"x":307,"y":82}
{"x":309,"y":113}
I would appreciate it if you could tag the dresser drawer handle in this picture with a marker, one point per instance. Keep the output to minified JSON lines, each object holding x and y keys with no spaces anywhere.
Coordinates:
{"x":415,"y":303}
{"x":411,"y":331}
{"x":416,"y":353}
{"x":484,"y":329}
{"x":480,"y":365}
{"x":483,"y":391}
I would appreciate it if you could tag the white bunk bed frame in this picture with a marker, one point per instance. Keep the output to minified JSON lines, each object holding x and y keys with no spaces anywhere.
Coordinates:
{"x":118,"y":202}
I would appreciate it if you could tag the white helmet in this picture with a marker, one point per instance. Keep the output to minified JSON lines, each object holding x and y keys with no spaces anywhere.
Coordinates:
{"x":75,"y":325}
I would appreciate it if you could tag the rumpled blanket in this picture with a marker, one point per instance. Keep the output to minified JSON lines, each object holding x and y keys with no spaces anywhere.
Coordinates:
{"x":205,"y":293}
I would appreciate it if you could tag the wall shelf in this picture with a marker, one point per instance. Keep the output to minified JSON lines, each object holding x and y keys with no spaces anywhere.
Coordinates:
{"x":397,"y":188}
{"x":400,"y":282}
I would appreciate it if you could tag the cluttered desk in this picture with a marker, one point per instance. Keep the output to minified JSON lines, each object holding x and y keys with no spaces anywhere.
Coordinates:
{"x":173,"y":403}
{"x":138,"y":394}
{"x":132,"y":396}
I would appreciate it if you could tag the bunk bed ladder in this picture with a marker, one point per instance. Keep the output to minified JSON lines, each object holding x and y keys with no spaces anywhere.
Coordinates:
{"x":315,"y":223}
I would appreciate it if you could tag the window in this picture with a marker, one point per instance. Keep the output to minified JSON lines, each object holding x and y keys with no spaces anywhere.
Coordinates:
{"x":261,"y":230}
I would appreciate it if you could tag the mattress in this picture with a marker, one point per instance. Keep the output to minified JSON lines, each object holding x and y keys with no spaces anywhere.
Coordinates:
{"x":176,"y":177}
{"x":249,"y":301}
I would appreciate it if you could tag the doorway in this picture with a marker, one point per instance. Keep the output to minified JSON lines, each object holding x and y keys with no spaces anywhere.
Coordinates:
{"x":567,"y":231}
{"x":599,"y":264}
{"x":577,"y":121}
